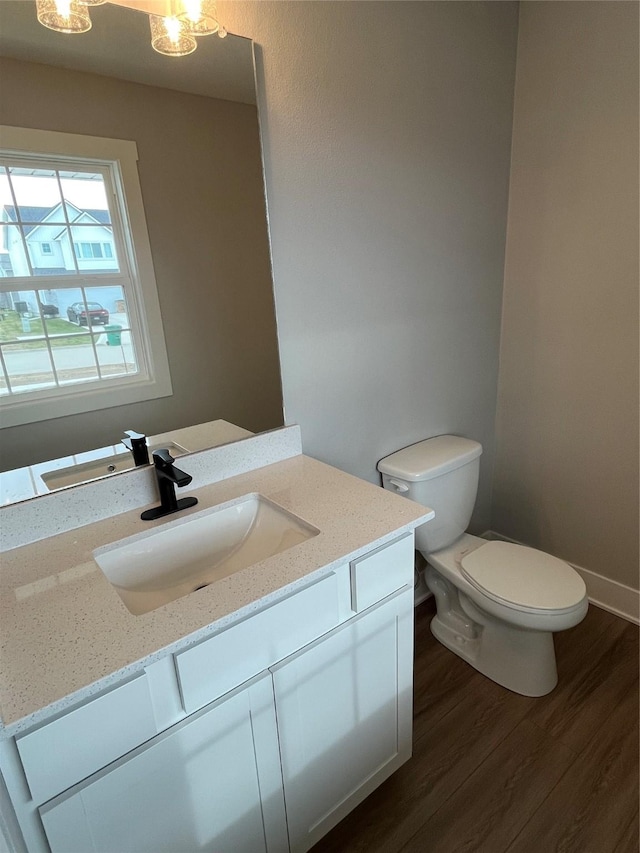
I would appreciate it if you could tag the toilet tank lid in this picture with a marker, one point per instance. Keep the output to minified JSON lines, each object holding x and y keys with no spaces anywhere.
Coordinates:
{"x":430,"y":458}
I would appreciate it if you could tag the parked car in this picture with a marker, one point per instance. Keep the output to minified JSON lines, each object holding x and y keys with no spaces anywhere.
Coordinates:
{"x":88,"y":314}
{"x":50,"y":311}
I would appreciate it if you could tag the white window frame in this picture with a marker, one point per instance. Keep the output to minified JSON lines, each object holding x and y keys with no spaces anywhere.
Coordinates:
{"x":153,"y":379}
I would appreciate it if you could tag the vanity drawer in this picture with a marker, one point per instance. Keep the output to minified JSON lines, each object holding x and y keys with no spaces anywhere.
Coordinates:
{"x":381,"y":572}
{"x":74,"y":746}
{"x":222,"y":662}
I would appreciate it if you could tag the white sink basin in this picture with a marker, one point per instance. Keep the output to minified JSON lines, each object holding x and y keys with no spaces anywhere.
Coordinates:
{"x":160,"y":565}
{"x":100,"y":466}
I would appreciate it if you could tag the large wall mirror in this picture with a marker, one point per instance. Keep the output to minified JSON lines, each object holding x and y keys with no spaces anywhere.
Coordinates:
{"x":194,"y":121}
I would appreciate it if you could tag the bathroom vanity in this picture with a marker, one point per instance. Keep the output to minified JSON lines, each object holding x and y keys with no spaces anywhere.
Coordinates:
{"x":251,"y":714}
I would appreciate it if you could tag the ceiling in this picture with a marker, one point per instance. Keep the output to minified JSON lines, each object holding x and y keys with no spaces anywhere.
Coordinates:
{"x":118,"y":45}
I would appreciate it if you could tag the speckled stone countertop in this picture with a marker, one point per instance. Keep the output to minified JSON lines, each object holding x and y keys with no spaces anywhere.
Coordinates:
{"x":65,"y":633}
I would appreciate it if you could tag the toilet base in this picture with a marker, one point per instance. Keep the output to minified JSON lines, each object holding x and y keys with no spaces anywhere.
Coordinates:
{"x":527,"y":667}
{"x":519,"y":659}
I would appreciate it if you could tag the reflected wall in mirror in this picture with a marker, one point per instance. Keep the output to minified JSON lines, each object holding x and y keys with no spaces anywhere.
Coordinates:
{"x":195,"y":123}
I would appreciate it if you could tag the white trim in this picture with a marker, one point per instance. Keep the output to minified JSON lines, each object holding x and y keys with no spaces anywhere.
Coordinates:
{"x":604,"y":592}
{"x":85,"y":400}
{"x":611,"y":595}
{"x":154,"y":380}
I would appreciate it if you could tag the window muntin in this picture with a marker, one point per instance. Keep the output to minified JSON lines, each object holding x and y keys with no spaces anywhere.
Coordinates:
{"x":61,"y":338}
{"x":131,"y":363}
{"x":72,"y":211}
{"x":69,"y":212}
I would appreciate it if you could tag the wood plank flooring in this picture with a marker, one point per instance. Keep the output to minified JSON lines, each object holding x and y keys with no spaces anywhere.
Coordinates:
{"x":494,"y":772}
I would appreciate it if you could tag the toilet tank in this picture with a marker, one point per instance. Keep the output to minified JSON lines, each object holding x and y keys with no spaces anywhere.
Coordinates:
{"x":441,"y":473}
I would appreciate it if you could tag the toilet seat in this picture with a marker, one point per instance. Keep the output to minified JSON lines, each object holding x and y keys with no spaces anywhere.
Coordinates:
{"x":523,"y":578}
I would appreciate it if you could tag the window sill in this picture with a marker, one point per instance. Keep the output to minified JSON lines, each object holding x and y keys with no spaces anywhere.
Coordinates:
{"x":17,"y":411}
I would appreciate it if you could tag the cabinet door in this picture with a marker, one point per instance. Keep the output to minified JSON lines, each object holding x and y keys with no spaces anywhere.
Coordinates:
{"x":211,"y":783}
{"x":344,"y":708}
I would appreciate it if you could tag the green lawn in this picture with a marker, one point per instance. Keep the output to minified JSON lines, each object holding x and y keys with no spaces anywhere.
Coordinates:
{"x":11,"y":331}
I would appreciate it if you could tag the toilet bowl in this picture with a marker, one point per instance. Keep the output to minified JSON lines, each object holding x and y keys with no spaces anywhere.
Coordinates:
{"x":497,"y":603}
{"x":509,"y":628}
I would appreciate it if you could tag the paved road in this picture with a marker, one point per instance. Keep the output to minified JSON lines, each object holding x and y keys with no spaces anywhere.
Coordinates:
{"x":32,"y":366}
{"x":36,"y":360}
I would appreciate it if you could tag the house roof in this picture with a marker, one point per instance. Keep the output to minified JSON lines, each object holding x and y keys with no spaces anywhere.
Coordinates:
{"x":38,"y":215}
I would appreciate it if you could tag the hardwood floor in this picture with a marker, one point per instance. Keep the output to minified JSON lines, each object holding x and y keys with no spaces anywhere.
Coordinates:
{"x":494,"y":772}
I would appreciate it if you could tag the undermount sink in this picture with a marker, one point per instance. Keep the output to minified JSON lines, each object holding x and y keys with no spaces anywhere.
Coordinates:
{"x":160,"y":565}
{"x":101,"y":466}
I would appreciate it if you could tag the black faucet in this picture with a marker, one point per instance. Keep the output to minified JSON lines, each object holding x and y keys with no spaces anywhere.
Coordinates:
{"x":136,"y":442}
{"x":168,"y":478}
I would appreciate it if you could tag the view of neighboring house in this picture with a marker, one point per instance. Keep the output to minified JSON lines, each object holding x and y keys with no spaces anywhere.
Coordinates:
{"x":48,"y":241}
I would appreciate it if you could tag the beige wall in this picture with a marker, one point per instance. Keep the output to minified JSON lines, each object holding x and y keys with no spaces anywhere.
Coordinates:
{"x":201,"y":176}
{"x":566,"y":475}
{"x":387,"y":130}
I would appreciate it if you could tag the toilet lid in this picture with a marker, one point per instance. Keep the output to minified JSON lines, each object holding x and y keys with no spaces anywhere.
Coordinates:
{"x":524,"y":577}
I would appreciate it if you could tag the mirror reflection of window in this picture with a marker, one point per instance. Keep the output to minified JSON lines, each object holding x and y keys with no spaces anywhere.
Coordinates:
{"x":62,"y":224}
{"x":64,"y":213}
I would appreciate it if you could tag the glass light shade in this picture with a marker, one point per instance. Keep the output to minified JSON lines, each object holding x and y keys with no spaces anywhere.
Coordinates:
{"x":64,"y":16}
{"x":170,"y":36}
{"x":199,"y":16}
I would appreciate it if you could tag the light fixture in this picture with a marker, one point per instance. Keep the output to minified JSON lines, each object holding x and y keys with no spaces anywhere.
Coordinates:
{"x":199,"y":16}
{"x":174,"y":23}
{"x":171,"y":36}
{"x":64,"y":16}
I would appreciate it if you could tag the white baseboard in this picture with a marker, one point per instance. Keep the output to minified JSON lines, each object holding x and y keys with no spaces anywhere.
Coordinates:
{"x":608,"y":594}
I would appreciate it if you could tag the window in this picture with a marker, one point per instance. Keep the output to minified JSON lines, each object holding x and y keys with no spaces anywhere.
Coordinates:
{"x":89,"y":250}
{"x":93,"y":250}
{"x":93,"y":338}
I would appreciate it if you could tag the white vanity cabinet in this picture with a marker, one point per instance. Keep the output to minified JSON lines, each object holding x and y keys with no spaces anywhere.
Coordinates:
{"x":344,"y":716}
{"x":260,"y":737}
{"x":209,"y":783}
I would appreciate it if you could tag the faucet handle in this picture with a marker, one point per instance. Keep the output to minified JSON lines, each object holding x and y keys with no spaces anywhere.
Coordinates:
{"x":136,"y":442}
{"x":133,"y":437}
{"x":162,"y":457}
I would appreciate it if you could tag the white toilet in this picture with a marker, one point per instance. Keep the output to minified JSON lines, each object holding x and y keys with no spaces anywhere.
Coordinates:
{"x":497,"y":603}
